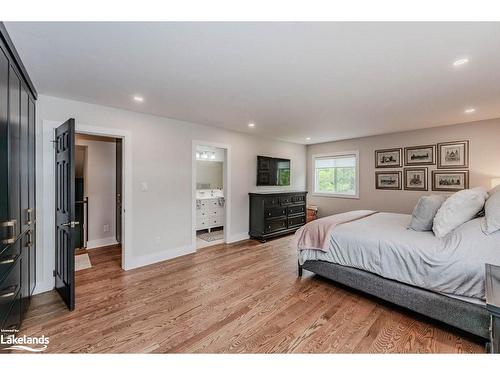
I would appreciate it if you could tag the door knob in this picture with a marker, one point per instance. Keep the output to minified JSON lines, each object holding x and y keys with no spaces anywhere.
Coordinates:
{"x":71,"y":224}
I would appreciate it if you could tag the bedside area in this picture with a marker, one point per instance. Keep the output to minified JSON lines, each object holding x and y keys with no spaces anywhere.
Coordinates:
{"x":493,"y":306}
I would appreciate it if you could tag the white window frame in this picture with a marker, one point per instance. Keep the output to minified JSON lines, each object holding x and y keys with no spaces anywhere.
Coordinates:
{"x":334,"y":155}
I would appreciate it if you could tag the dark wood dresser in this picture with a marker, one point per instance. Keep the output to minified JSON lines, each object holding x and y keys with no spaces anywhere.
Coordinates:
{"x":276,"y":213}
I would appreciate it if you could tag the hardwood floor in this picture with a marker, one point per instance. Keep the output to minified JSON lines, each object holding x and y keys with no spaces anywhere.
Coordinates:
{"x":241,"y":298}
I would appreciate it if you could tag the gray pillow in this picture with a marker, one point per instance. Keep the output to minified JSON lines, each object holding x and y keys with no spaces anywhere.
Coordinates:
{"x":423,"y":214}
{"x":491,"y":221}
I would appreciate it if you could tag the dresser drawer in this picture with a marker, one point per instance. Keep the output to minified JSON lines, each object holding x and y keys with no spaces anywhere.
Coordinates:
{"x":296,"y":221}
{"x":285,"y":200}
{"x":9,"y":289}
{"x":271,"y":201}
{"x":8,"y":258}
{"x":274,"y":225}
{"x":215,"y":221}
{"x":12,"y":319}
{"x":297,"y":210}
{"x":274,"y":212}
{"x":298,"y":198}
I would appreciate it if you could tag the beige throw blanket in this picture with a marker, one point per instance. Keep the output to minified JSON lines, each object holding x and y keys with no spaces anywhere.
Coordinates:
{"x":316,"y":234}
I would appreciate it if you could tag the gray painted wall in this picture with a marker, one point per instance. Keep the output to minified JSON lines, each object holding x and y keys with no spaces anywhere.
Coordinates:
{"x":484,"y":151}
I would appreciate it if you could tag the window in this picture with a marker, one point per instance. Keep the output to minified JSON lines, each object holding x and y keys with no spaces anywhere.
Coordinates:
{"x":337,"y":174}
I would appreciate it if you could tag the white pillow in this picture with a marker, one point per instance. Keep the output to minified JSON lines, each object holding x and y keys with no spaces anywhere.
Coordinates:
{"x":458,"y":209}
{"x":494,"y":190}
{"x":491,"y":221}
{"x":423,"y":214}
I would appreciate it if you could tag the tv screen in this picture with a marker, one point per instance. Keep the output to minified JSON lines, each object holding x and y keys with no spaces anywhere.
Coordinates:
{"x":273,"y":171}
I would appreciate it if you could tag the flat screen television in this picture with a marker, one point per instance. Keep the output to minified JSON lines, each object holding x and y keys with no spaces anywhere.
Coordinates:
{"x":273,"y":171}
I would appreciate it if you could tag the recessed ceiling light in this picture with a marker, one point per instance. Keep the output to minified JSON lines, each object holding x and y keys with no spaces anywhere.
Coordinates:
{"x":308,"y":138}
{"x":138,"y":99}
{"x":461,"y":62}
{"x":470,"y":110}
{"x":251,"y":125}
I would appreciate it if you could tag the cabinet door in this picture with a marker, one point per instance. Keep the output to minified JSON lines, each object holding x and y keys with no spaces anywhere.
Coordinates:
{"x":25,"y":270}
{"x":23,"y":142}
{"x":31,"y":159}
{"x":32,"y":260}
{"x":14,"y":155}
{"x":5,"y":232}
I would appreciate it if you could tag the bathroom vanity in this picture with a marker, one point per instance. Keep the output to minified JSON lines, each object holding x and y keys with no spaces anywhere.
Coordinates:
{"x":210,"y":205}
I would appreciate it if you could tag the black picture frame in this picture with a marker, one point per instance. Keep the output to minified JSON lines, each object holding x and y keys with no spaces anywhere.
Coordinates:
{"x":411,"y":163}
{"x":440,"y":155}
{"x":397,"y":164}
{"x":437,"y":173}
{"x":424,"y":171}
{"x":381,"y":187}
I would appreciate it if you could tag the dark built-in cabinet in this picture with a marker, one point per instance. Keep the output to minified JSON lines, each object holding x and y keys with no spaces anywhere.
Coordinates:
{"x":275,"y":214}
{"x":17,"y":186}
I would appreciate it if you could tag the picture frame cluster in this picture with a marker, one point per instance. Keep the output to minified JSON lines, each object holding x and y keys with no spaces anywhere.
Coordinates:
{"x":446,"y":156}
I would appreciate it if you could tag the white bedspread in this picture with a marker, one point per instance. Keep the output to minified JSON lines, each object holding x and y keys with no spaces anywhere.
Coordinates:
{"x":382,"y":244}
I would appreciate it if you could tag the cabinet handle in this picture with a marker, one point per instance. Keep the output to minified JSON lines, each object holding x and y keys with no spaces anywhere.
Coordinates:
{"x":28,"y":215}
{"x":71,"y":224}
{"x":29,"y":243}
{"x":9,"y":224}
{"x":8,"y":261}
{"x":10,"y":293}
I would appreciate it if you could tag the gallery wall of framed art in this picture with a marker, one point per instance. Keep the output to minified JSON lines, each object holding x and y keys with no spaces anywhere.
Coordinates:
{"x":445,"y":164}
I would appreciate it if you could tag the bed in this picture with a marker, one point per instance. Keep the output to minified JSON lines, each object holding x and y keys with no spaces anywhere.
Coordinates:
{"x":440,"y":278}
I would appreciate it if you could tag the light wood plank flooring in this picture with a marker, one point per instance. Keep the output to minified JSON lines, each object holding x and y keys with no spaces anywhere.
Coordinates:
{"x":240,"y":298}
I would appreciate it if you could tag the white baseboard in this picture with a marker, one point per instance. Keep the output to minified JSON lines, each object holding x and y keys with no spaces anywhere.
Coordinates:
{"x":161,"y":256}
{"x":100,"y":242}
{"x":238,"y":237}
{"x":45,"y":286}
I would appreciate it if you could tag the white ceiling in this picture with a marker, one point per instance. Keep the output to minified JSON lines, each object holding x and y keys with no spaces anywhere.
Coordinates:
{"x":326,"y":81}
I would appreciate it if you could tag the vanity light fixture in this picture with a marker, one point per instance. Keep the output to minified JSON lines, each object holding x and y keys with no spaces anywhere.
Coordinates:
{"x":308,"y":138}
{"x":251,"y":125}
{"x":138,"y":98}
{"x":460,"y":62}
{"x":468,"y":111}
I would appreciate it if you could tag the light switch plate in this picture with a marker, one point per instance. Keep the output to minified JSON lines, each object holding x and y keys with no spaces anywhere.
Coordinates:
{"x":144,"y":186}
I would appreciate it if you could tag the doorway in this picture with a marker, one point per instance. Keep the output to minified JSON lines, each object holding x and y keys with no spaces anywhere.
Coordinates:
{"x":58,"y":223}
{"x":211,"y":189}
{"x":98,"y":184}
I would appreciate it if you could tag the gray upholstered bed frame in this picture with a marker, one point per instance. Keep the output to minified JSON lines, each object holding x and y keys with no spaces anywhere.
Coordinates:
{"x":467,"y":316}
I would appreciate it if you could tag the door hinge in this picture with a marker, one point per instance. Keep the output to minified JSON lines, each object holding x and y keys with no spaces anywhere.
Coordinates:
{"x":54,"y":273}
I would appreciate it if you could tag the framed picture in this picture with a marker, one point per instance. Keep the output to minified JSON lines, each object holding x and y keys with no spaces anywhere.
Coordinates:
{"x":415,"y":179}
{"x":388,"y":180}
{"x":420,"y":155}
{"x":450,"y":180}
{"x":389,"y":158}
{"x":453,"y":155}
